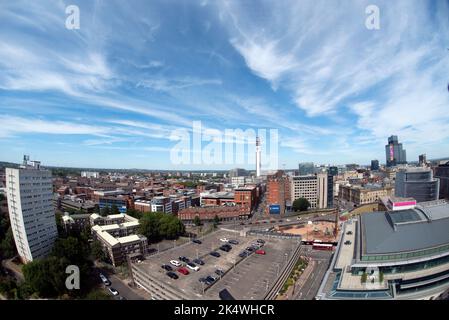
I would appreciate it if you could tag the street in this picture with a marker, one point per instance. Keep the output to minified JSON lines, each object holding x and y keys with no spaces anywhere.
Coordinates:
{"x":313,"y":282}
{"x":121,"y":286}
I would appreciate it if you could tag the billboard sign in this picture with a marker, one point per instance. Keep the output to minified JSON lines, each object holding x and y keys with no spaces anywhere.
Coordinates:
{"x":275,"y":209}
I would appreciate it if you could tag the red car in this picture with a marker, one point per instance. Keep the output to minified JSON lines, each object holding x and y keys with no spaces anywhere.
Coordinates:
{"x":183,"y":270}
{"x":260,"y":252}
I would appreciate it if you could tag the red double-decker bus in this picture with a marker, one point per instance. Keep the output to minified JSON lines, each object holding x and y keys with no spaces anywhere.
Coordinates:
{"x":322,"y":246}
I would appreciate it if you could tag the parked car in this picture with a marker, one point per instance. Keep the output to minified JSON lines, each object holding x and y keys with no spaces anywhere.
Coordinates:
{"x":113,"y":291}
{"x":349,"y":232}
{"x":183,"y":270}
{"x":166,"y":267}
{"x":105,"y":280}
{"x":348,"y":242}
{"x":243,"y":254}
{"x":233,"y":241}
{"x":184,"y":259}
{"x":199,"y":261}
{"x":219,"y":272}
{"x":193,"y":266}
{"x":224,"y":240}
{"x":260,"y":252}
{"x":215,"y":254}
{"x":176,"y":263}
{"x":172,"y":275}
{"x":260,"y":241}
{"x":196,"y":241}
{"x":250,"y":249}
{"x":210,"y":280}
{"x":226,"y":249}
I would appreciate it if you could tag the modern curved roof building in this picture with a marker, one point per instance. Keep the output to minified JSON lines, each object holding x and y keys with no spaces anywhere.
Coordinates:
{"x":400,"y":254}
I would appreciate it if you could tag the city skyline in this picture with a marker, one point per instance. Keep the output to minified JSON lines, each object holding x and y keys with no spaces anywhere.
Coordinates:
{"x":111,"y":94}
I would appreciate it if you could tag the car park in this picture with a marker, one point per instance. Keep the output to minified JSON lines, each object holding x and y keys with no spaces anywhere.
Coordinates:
{"x":183,"y":270}
{"x":105,"y":280}
{"x":196,"y":241}
{"x":166,"y":267}
{"x":233,"y":242}
{"x":172,"y":275}
{"x":192,"y":266}
{"x":260,"y":252}
{"x":215,"y":254}
{"x":113,"y":291}
{"x":176,"y":263}
{"x":199,"y":261}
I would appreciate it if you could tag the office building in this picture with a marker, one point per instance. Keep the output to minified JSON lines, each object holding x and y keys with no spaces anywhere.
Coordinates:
{"x":417,"y":183}
{"x":374,"y":165}
{"x":398,"y":254}
{"x":317,"y":189}
{"x":442,"y":173}
{"x":394,"y":152}
{"x":90,"y":174}
{"x":31,"y":212}
{"x":238,"y":172}
{"x":246,"y":197}
{"x":422,"y":160}
{"x":278,"y":192}
{"x":306,"y":168}
{"x":360,"y":195}
{"x":333,"y":171}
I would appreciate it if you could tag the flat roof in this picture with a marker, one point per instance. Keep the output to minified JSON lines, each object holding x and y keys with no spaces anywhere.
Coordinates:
{"x":405,"y":230}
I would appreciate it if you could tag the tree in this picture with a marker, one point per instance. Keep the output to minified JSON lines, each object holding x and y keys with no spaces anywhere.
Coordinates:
{"x":8,"y":246}
{"x":364,"y":277}
{"x":158,"y":225}
{"x":216,"y":220}
{"x":301,"y":204}
{"x":134,"y":213}
{"x":105,"y":211}
{"x":114,"y":209}
{"x":72,"y":249}
{"x":197,"y":221}
{"x":381,"y":277}
{"x":97,"y":251}
{"x":98,"y":295}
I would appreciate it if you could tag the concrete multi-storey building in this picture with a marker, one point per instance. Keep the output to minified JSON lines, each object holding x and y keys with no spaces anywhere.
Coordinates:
{"x":360,"y":195}
{"x":394,"y":152}
{"x":119,"y":239}
{"x":31,"y":212}
{"x":442,"y":173}
{"x":417,"y":183}
{"x":317,"y":189}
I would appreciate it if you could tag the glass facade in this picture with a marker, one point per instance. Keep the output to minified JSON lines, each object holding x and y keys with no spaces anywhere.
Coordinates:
{"x":406,"y":255}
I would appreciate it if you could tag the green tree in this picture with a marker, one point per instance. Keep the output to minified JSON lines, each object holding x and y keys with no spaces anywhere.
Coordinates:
{"x":157,"y":225}
{"x":8,"y":246}
{"x":114,"y":209}
{"x":364,"y":277}
{"x":72,"y":249}
{"x":301,"y":204}
{"x":97,"y":251}
{"x":134,"y":213}
{"x":381,"y":277}
{"x":197,"y":221}
{"x":96,"y":208}
{"x":105,"y":211}
{"x":98,"y":295}
{"x":216,"y":221}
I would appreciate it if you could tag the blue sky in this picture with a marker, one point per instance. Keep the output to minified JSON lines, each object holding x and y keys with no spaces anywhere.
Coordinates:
{"x":112,"y":93}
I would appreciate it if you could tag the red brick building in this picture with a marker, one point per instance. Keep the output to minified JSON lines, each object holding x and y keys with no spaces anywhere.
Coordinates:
{"x":278,"y":190}
{"x":209,"y":213}
{"x":246,"y":197}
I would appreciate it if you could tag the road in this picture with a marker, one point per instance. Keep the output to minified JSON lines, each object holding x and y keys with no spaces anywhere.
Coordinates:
{"x":313,"y":282}
{"x":121,"y":286}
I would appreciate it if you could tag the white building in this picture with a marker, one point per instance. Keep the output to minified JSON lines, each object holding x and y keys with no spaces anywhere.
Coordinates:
{"x":31,"y":212}
{"x":314,"y":188}
{"x":90,"y":174}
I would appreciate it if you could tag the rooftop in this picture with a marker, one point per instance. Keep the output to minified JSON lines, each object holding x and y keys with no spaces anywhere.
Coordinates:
{"x":405,"y":230}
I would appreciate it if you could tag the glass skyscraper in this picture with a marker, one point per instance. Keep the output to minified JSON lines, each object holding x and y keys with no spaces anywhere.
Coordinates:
{"x":394,"y":153}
